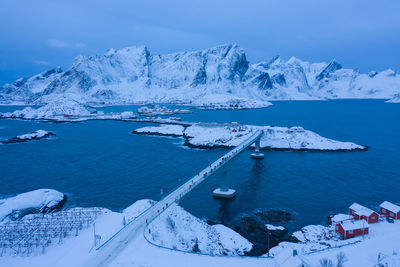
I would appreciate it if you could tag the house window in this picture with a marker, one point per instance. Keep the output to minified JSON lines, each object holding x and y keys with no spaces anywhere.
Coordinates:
{"x":383,"y":210}
{"x":350,"y":232}
{"x":391,"y":214}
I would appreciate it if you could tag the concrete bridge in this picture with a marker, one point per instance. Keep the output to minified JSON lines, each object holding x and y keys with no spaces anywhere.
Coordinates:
{"x":109,"y":250}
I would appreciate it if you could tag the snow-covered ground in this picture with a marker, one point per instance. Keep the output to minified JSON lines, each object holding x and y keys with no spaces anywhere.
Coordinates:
{"x":75,"y":250}
{"x":165,"y":129}
{"x":34,"y":201}
{"x":59,"y":107}
{"x":230,"y":135}
{"x":65,"y":110}
{"x":318,"y":242}
{"x":175,"y":228}
{"x":178,"y":229}
{"x":213,"y":101}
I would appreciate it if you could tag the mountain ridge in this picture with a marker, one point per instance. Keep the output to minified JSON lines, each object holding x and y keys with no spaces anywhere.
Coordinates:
{"x":217,"y":74}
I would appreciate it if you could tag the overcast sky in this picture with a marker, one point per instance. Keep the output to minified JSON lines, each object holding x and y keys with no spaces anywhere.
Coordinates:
{"x":36,"y":35}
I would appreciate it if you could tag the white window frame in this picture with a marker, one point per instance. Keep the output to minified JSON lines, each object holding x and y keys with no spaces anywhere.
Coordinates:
{"x":351,"y":232}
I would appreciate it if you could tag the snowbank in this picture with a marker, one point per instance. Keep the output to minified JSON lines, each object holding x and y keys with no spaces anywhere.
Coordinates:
{"x":40,"y":200}
{"x":137,"y":208}
{"x":39,"y":134}
{"x":230,"y":135}
{"x":178,"y":229}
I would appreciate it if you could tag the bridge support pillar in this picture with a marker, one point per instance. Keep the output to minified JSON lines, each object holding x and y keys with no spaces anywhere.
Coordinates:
{"x":257,"y":154}
{"x":224,"y":191}
{"x":219,"y":193}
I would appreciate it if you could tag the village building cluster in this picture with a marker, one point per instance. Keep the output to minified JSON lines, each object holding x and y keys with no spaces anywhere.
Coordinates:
{"x":356,"y":223}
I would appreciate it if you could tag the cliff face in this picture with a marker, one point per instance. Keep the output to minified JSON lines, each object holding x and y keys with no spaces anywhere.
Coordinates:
{"x":133,"y":74}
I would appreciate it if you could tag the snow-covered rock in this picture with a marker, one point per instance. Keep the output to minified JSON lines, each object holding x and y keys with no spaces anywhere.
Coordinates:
{"x":395,"y":99}
{"x":274,"y":228}
{"x":178,"y":229}
{"x":219,"y":76}
{"x":40,"y":200}
{"x":39,"y":134}
{"x":313,"y":238}
{"x":293,"y":138}
{"x":59,"y":107}
{"x":165,"y":129}
{"x":214,"y":135}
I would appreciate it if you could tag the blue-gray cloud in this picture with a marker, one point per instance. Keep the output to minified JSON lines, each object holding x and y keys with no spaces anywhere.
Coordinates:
{"x":41,"y":62}
{"x":360,"y":34}
{"x":57,"y":43}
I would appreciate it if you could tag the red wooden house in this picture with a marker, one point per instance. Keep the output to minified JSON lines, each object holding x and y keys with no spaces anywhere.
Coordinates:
{"x":360,"y":212}
{"x":390,"y":210}
{"x":348,"y":229}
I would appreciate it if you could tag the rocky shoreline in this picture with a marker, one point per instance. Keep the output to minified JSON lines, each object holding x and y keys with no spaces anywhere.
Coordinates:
{"x":263,"y":228}
{"x":37,"y":135}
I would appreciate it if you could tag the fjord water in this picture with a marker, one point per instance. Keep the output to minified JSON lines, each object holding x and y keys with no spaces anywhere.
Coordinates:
{"x":100,"y":163}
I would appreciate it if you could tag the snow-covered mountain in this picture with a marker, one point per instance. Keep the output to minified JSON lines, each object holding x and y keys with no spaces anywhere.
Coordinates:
{"x":221,"y":74}
{"x":395,"y":99}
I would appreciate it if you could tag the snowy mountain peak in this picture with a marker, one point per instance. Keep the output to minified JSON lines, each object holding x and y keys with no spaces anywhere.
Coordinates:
{"x":219,"y":74}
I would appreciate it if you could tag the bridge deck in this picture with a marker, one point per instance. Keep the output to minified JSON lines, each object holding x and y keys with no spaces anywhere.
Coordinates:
{"x":109,"y":250}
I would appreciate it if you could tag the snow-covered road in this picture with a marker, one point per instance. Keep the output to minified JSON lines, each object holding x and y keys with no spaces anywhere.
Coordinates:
{"x":106,"y":253}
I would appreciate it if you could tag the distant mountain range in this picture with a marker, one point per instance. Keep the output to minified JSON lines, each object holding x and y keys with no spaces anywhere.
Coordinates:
{"x":215,"y":75}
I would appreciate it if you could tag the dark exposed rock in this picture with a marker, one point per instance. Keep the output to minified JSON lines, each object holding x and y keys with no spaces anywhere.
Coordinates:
{"x":278,"y":78}
{"x":17,"y":139}
{"x":253,"y":228}
{"x":332,"y":67}
{"x":263,"y":81}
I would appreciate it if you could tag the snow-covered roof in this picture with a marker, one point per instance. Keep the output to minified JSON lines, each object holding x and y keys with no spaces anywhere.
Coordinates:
{"x":353,"y":225}
{"x":286,"y":258}
{"x":390,"y":206}
{"x":340,"y":217}
{"x":361,"y":210}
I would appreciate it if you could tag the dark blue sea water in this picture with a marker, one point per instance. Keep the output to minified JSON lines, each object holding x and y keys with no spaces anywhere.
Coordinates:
{"x":99,"y":163}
